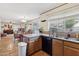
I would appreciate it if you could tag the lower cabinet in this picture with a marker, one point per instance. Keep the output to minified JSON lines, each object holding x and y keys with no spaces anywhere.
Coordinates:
{"x":54,"y":47}
{"x":34,"y":46}
{"x":69,"y":51}
{"x":57,"y":47}
{"x":64,"y":48}
{"x":30,"y":48}
{"x":38,"y":44}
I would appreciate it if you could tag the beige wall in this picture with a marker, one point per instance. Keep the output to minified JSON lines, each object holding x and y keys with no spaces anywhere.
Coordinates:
{"x":44,"y":25}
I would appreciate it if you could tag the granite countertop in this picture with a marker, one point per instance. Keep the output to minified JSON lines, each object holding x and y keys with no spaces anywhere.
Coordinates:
{"x":62,"y":38}
{"x":69,"y":39}
{"x":75,"y":40}
{"x":44,"y":34}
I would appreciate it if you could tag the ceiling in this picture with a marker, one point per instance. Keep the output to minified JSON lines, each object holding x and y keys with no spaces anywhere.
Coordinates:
{"x":28,"y":11}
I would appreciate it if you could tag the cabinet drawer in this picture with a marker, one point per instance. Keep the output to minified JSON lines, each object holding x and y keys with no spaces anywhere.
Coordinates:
{"x":69,"y":51}
{"x":57,"y":42}
{"x":30,"y":48}
{"x":71,"y":44}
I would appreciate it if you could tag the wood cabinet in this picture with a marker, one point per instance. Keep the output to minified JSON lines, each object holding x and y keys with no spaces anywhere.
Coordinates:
{"x":71,"y":44}
{"x":57,"y":47}
{"x":69,"y":51}
{"x":66,"y":48}
{"x":30,"y":48}
{"x":38,"y":44}
{"x":34,"y":46}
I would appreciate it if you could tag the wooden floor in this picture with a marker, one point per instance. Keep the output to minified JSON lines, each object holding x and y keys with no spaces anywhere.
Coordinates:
{"x":7,"y":47}
{"x":40,"y":53}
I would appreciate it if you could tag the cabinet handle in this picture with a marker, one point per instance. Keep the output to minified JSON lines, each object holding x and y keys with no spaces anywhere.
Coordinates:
{"x":67,"y":47}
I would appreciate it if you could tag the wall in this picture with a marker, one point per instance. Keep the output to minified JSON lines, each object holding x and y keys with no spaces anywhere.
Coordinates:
{"x":32,"y":22}
{"x":15,"y":25}
{"x":0,"y":25}
{"x":65,"y":10}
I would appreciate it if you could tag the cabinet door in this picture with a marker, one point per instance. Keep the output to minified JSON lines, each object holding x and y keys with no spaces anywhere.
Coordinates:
{"x":71,"y":44}
{"x":69,"y":51}
{"x":30,"y":48}
{"x":38,"y":44}
{"x":57,"y":47}
{"x":34,"y":46}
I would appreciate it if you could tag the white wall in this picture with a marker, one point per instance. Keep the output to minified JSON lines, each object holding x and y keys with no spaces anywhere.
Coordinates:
{"x":63,"y":11}
{"x":0,"y":25}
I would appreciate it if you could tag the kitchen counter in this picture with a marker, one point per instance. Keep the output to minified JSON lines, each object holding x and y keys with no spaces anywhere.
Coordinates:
{"x":62,"y":38}
{"x":69,"y":39}
{"x":44,"y":35}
